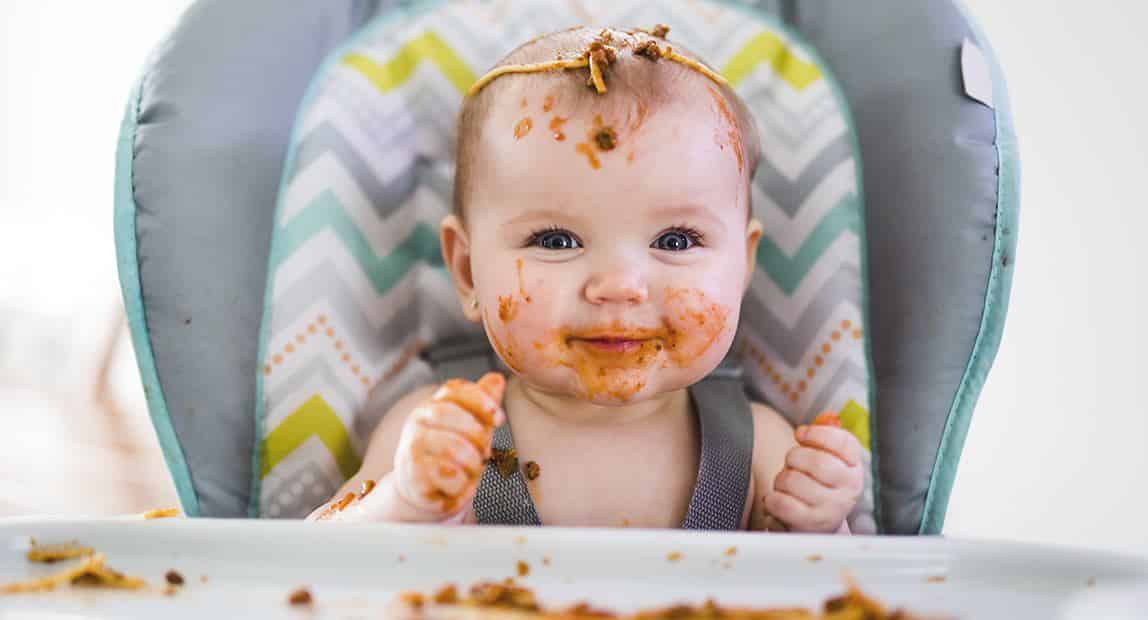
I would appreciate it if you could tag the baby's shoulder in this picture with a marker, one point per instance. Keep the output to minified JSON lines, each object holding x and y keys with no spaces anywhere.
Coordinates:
{"x":767,"y":421}
{"x":772,"y":439}
{"x":397,"y":413}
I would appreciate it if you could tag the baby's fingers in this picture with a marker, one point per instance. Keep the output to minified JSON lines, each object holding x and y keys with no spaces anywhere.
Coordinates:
{"x":419,"y":486}
{"x":803,"y":487}
{"x":822,"y":466}
{"x":831,"y":439}
{"x":483,"y":400}
{"x":452,"y":418}
{"x":448,"y":445}
{"x":788,"y":509}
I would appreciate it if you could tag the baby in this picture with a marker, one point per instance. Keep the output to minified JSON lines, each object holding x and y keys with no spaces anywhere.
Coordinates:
{"x":602,"y":235}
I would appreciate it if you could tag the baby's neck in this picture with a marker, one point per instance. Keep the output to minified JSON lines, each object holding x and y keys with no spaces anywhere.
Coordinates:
{"x":569,"y":410}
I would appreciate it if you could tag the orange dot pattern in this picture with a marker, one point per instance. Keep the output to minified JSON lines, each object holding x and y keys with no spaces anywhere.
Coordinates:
{"x":321,"y":325}
{"x":794,"y":389}
{"x":301,"y":338}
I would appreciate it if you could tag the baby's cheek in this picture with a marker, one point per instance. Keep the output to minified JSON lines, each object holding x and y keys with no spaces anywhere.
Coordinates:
{"x":699,"y":327}
{"x":516,"y":324}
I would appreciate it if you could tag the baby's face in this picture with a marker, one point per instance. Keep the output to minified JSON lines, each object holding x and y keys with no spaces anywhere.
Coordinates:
{"x":611,"y":274}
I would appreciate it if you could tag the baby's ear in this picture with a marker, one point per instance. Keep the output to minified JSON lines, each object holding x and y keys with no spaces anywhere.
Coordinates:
{"x":752,"y":237}
{"x":456,"y":256}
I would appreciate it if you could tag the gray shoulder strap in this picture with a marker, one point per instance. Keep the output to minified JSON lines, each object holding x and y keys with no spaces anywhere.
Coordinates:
{"x":726,"y":450}
{"x":504,"y":501}
{"x":499,"y":500}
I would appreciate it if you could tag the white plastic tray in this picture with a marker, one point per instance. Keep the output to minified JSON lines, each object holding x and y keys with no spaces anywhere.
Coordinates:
{"x":354,"y":571}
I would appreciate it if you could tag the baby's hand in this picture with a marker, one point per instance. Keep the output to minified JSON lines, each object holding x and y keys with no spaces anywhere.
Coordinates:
{"x":444,"y":447}
{"x":821,"y":480}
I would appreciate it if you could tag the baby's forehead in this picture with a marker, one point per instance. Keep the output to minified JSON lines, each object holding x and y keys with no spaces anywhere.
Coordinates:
{"x":541,"y":99}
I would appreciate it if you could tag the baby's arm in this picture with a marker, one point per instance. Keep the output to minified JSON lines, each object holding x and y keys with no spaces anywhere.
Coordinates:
{"x":427,"y":454}
{"x":806,"y":480}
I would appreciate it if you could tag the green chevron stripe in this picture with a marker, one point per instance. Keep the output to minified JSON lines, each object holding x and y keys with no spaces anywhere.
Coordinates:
{"x":327,"y":211}
{"x":317,"y":418}
{"x":788,"y":272}
{"x":387,"y":76}
{"x":768,"y":47}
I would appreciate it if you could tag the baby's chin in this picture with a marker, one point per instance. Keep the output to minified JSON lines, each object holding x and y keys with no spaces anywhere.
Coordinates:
{"x":618,"y":390}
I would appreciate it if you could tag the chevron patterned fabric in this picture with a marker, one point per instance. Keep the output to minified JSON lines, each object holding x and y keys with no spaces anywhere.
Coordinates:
{"x":357,"y":286}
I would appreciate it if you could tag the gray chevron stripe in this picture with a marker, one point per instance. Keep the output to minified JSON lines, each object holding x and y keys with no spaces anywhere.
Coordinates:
{"x":358,"y":102}
{"x":440,"y":180}
{"x":428,"y":108}
{"x":427,"y":102}
{"x":325,"y":283}
{"x":793,"y":124}
{"x":439,"y":189}
{"x":847,"y":371}
{"x":842,"y":284}
{"x":325,"y":138}
{"x":313,"y":367}
{"x":790,"y":128}
{"x":789,"y":195}
{"x":791,"y":344}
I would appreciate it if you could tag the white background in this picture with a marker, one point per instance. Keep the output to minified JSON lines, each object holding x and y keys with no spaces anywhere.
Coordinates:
{"x":1056,"y":451}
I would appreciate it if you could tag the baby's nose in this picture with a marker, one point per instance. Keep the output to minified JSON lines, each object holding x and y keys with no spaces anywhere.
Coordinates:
{"x":624,"y":284}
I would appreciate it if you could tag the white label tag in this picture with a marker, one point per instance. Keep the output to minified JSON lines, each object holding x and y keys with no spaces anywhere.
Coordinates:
{"x":975,"y":72}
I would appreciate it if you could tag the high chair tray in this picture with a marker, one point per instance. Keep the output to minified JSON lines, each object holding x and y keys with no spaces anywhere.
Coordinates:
{"x":248,"y":569}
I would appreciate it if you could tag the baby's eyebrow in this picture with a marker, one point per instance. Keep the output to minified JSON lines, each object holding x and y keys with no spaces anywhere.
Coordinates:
{"x":689,"y":211}
{"x":546,"y":214}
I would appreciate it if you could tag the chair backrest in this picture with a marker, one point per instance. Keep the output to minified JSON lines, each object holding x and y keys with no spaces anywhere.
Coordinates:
{"x":938,"y":220}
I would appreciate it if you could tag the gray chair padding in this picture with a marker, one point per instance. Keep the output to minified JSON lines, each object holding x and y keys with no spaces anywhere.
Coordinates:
{"x":214,"y":113}
{"x":930,"y":236}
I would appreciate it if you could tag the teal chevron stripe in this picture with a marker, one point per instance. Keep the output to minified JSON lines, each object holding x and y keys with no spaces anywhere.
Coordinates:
{"x":327,"y":211}
{"x":787,"y":272}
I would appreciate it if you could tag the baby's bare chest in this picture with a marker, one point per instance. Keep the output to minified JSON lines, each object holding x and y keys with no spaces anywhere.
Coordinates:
{"x":625,"y":477}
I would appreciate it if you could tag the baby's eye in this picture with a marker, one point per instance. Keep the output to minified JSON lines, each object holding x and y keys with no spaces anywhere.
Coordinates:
{"x":554,"y":240}
{"x":677,"y":240}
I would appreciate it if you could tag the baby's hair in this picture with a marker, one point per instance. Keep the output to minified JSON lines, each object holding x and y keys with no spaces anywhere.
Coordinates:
{"x":623,"y":65}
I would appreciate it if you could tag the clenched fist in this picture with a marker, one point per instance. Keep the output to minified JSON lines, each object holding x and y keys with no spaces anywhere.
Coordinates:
{"x":445,"y":444}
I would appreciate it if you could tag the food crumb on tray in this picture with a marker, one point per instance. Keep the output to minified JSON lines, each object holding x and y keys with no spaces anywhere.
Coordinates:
{"x":49,"y":554}
{"x":301,"y":596}
{"x":92,"y":571}
{"x":506,"y":601}
{"x":161,"y":513}
{"x":173,"y":577}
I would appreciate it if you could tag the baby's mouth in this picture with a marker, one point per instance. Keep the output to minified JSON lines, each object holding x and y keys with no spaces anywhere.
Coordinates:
{"x":611,"y":345}
{"x":614,"y":341}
